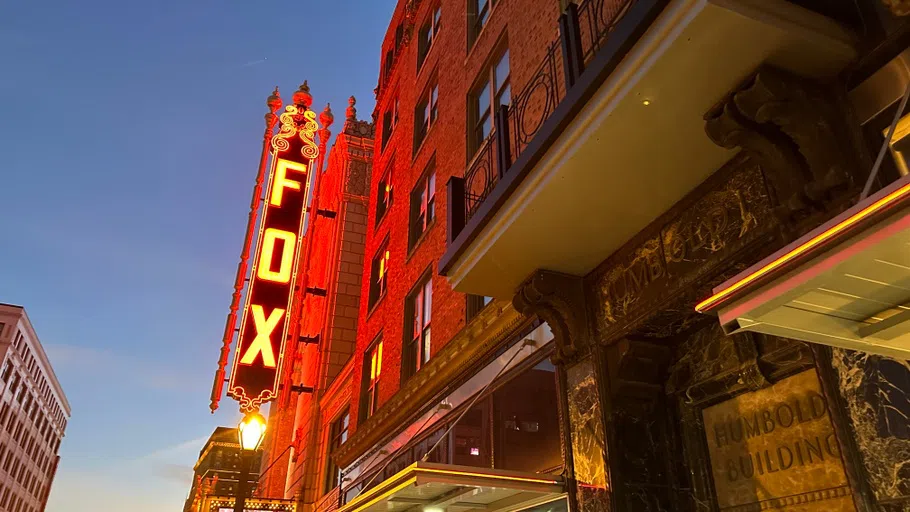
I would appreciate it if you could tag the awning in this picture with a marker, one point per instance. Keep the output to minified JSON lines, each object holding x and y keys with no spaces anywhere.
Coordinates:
{"x":845,"y":284}
{"x":443,"y":487}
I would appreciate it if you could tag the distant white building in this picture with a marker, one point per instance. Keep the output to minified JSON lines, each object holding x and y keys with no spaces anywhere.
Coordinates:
{"x":33,"y":415}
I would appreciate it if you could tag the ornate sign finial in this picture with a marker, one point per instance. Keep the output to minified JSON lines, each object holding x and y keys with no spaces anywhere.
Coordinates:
{"x":274,"y":101}
{"x":302,"y":96}
{"x":327,"y":117}
{"x":352,"y":110}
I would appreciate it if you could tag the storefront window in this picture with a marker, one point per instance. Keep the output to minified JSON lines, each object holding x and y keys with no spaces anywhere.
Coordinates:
{"x":526,"y":421}
{"x":515,"y":428}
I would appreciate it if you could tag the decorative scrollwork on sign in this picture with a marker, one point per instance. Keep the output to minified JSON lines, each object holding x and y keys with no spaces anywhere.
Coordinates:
{"x":248,"y":403}
{"x":287,"y":129}
{"x":307,"y":135}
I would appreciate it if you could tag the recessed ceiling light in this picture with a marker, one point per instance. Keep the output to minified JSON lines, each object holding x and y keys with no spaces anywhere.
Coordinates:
{"x":646,"y":102}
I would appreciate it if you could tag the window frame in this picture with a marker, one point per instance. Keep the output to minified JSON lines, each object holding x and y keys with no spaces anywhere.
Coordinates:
{"x":390,"y":118}
{"x":475,"y":304}
{"x":385,"y":193}
{"x":370,"y":378}
{"x":378,"y":285}
{"x":485,"y":86}
{"x":428,"y":34}
{"x":478,"y":18}
{"x":418,"y":349}
{"x":419,"y":204}
{"x":339,"y":428}
{"x":426,"y":112}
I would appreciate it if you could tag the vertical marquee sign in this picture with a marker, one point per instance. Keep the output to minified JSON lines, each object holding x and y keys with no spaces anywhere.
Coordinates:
{"x":269,"y":299}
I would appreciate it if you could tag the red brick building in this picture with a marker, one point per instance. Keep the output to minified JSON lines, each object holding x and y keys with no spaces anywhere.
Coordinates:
{"x":439,"y":68}
{"x":554,"y":186}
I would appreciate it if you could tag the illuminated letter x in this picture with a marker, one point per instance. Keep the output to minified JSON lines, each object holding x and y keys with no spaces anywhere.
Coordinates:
{"x":262,"y":343}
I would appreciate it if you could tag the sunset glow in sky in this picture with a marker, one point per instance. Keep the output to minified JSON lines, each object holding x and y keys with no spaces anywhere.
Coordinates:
{"x":129,"y":138}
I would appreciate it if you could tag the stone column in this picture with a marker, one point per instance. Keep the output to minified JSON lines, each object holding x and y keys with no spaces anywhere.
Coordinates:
{"x":559,"y":300}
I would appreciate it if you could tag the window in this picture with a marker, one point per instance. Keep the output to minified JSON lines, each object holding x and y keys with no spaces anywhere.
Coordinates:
{"x":389,"y":60}
{"x":378,"y":272}
{"x":384,"y":195}
{"x":14,"y":385}
{"x":423,"y":204}
{"x":426,"y":114}
{"x":7,"y":370}
{"x":389,"y":121}
{"x":399,"y":36}
{"x":476,"y":303}
{"x":372,"y":369}
{"x":492,"y":92}
{"x":338,"y":434}
{"x":427,"y":34}
{"x":478,"y":15}
{"x":510,"y":431}
{"x":419,"y":308}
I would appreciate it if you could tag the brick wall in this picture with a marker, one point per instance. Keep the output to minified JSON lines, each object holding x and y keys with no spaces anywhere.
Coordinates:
{"x":527,"y":27}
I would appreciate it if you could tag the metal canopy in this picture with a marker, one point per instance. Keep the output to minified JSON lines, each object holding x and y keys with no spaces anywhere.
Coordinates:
{"x":424,"y":485}
{"x":846,"y":284}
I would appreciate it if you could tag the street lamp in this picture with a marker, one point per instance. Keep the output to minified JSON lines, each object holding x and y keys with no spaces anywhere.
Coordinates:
{"x":251,"y":432}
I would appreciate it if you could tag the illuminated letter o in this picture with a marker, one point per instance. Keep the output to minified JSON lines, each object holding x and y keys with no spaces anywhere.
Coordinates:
{"x":283,"y":274}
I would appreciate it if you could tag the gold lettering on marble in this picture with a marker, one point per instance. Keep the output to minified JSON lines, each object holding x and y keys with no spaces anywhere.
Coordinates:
{"x":776,"y":449}
{"x":685,"y":246}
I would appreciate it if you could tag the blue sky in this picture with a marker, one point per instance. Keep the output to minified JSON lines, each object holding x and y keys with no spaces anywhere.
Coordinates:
{"x":129,"y":137}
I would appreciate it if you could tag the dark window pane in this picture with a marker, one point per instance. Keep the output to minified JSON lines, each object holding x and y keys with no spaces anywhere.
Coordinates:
{"x":527,"y":431}
{"x":502,"y":70}
{"x":470,"y":437}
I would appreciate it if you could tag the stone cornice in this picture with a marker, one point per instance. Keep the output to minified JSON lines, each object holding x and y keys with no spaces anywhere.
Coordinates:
{"x":494,"y":325}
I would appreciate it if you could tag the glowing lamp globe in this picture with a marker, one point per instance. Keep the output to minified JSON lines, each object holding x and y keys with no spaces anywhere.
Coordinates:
{"x":252,"y":431}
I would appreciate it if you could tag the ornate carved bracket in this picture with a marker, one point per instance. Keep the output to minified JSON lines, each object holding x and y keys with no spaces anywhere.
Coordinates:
{"x":792,"y":126}
{"x":559,"y":300}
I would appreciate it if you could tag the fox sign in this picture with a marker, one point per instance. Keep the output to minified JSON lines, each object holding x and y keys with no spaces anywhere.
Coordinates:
{"x":266,"y":320}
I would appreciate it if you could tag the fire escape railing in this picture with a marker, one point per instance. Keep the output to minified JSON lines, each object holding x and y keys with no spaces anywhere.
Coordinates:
{"x":584,"y":29}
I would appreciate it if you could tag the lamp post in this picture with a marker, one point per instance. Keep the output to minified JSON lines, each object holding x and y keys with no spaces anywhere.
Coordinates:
{"x":252,"y":431}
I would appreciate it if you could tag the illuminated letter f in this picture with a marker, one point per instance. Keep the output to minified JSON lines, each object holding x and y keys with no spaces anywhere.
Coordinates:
{"x":262,"y":343}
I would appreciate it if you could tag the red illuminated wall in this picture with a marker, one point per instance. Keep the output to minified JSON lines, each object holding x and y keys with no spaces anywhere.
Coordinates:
{"x":529,"y":26}
{"x":335,"y":264}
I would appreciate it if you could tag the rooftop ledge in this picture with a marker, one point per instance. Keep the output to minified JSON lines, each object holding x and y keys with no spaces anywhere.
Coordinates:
{"x":617,"y":161}
{"x":845,"y":284}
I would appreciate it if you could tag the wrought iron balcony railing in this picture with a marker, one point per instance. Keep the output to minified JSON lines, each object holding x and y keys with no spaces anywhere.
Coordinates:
{"x":584,"y":29}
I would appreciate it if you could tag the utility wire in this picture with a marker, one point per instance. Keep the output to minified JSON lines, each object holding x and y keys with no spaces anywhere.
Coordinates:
{"x":885,"y":145}
{"x":273,"y":462}
{"x":525,"y":343}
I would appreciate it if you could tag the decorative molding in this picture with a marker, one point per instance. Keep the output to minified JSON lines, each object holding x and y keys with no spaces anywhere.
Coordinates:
{"x":795,"y":130}
{"x":494,"y":325}
{"x":558,"y":299}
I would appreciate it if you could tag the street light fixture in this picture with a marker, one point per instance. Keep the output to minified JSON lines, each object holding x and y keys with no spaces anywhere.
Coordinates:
{"x":251,"y":431}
